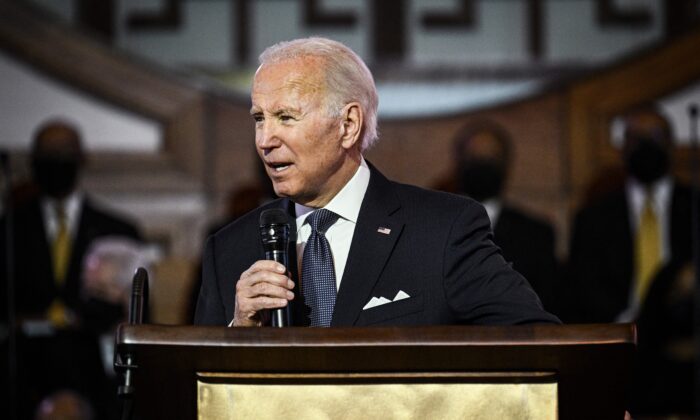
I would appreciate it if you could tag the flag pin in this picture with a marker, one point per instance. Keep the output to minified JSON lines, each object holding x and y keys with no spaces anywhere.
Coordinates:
{"x":384,"y":230}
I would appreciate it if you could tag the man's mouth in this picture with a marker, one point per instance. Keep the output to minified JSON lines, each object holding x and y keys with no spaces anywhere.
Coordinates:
{"x":279,"y":167}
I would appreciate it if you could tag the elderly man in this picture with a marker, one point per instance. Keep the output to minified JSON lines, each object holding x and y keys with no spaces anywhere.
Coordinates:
{"x":370,"y":251}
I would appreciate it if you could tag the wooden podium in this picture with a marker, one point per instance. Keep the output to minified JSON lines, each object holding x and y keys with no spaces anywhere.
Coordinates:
{"x":534,"y":371}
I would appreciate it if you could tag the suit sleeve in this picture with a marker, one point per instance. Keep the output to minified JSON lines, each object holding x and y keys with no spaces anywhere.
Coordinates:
{"x":210,"y":307}
{"x":480,"y":286}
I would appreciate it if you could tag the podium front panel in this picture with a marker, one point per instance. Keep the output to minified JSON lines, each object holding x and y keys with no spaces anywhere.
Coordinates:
{"x":576,"y":371}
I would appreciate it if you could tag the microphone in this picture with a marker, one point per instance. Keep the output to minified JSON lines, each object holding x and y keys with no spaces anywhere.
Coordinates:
{"x":139,"y":296}
{"x":274,"y":232}
{"x":125,"y":363}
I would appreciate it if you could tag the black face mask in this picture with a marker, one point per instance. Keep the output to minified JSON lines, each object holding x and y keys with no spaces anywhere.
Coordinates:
{"x":647,"y":161}
{"x":57,"y":177}
{"x":481,"y":179}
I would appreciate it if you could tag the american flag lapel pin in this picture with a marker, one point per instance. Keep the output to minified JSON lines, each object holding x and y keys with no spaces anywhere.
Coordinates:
{"x":384,"y":230}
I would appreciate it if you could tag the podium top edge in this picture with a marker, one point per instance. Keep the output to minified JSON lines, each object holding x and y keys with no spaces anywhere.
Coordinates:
{"x":525,"y":335}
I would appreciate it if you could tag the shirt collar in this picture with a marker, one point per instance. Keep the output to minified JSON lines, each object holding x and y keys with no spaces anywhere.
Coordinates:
{"x":347,"y":202}
{"x":493,"y":209}
{"x":660,"y":191}
{"x":71,"y":205}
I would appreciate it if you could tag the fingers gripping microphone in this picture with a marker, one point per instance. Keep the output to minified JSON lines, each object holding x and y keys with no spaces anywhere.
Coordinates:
{"x":274,"y":231}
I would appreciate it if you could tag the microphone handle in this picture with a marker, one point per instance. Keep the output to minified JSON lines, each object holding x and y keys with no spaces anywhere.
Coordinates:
{"x":280,"y":316}
{"x":139,"y":297}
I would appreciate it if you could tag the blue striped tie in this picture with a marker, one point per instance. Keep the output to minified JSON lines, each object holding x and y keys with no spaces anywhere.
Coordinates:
{"x":317,"y":272}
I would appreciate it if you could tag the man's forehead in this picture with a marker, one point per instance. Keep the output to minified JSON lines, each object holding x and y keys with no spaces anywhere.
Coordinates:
{"x":301,"y":75}
{"x":58,"y":140}
{"x":647,"y":124}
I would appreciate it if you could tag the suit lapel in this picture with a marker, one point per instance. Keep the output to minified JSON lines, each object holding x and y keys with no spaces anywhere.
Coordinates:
{"x":78,"y":248}
{"x":626,"y":236}
{"x":376,"y":233}
{"x":36,"y":228}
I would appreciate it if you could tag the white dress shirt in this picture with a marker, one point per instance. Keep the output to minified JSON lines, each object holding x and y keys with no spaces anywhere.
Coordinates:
{"x":345,"y":204}
{"x":660,"y":192}
{"x":72,"y":205}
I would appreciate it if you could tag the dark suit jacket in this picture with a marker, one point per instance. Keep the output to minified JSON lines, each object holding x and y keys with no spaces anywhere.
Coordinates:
{"x":529,"y":243}
{"x":35,"y":285}
{"x":601,"y":265}
{"x":439,"y":251}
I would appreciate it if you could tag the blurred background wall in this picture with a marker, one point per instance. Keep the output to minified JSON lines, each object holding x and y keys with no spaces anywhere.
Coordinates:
{"x":160,"y":91}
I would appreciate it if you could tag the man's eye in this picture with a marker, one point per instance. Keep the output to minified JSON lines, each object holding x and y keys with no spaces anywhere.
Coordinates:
{"x":286,"y":117}
{"x":258,"y":118}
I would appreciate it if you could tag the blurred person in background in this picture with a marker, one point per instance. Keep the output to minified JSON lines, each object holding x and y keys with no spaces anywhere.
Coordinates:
{"x":630,"y":262}
{"x":483,"y":155}
{"x":59,"y":319}
{"x":64,"y":405}
{"x":666,"y":354}
{"x":621,"y":240}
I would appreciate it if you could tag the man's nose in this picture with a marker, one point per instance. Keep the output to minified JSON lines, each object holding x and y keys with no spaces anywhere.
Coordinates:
{"x":266,"y":136}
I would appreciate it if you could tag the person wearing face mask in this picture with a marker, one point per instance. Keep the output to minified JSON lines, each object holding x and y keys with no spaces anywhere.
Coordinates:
{"x":59,"y":320}
{"x":621,"y":241}
{"x":483,"y":155}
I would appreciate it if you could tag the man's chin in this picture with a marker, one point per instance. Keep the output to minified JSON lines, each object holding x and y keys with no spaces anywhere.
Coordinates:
{"x":282,"y":192}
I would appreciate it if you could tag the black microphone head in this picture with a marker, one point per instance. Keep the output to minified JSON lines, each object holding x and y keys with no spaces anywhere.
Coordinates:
{"x":273,"y":217}
{"x":274,"y":230}
{"x":693,"y":110}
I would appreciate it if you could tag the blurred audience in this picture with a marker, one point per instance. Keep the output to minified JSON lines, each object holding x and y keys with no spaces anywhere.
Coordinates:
{"x":482,"y":156}
{"x":630,"y":261}
{"x":663,"y":384}
{"x":621,"y":240}
{"x":60,"y":316}
{"x":64,"y":405}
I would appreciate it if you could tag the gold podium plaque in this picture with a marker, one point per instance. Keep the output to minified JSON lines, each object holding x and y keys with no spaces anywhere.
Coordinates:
{"x":391,"y":396}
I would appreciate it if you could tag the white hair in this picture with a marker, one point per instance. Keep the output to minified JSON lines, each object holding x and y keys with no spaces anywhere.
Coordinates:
{"x":347,"y":77}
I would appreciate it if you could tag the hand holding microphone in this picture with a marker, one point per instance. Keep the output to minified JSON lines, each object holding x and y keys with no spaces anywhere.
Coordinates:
{"x":266,"y":285}
{"x":274,"y":231}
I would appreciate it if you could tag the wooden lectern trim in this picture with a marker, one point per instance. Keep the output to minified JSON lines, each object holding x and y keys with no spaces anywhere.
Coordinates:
{"x":526,"y":335}
{"x":383,"y":377}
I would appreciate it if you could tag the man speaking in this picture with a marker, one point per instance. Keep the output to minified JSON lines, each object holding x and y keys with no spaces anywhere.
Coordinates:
{"x":363,"y":250}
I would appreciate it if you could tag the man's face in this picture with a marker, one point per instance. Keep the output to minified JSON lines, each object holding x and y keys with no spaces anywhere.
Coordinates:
{"x":297,"y":141}
{"x":56,"y":160}
{"x":647,"y":147}
{"x":482,"y":166}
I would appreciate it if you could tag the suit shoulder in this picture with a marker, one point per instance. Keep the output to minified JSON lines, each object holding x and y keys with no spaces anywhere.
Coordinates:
{"x":246,"y":224}
{"x":109,"y":221}
{"x":533,"y":223}
{"x":612,"y":203}
{"x":432,"y":199}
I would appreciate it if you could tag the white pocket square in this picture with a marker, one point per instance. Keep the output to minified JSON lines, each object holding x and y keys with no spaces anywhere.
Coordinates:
{"x":378,"y":301}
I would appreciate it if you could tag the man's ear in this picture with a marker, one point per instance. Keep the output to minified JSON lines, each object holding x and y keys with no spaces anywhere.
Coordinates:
{"x":351,"y":125}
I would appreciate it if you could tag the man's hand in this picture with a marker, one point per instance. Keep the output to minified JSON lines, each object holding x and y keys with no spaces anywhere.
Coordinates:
{"x":265,"y":285}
